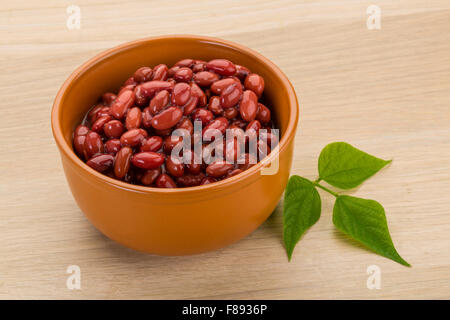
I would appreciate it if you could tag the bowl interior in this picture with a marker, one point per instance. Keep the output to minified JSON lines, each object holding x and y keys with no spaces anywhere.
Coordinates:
{"x":109,"y":70}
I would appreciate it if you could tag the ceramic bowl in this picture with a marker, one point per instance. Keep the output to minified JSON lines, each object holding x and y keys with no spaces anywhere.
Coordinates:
{"x":173,"y":221}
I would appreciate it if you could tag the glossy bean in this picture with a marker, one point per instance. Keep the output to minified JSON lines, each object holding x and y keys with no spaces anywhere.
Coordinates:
{"x":123,"y":101}
{"x":248,"y":106}
{"x":147,"y":160}
{"x":167,"y":118}
{"x":255,"y":83}
{"x":160,"y":72}
{"x":112,"y":146}
{"x":143,"y":74}
{"x":263,"y":114}
{"x":133,"y":137}
{"x":133,"y":119}
{"x":218,"y":169}
{"x":164,"y":181}
{"x":219,"y":86}
{"x":214,"y":105}
{"x":122,"y":163}
{"x":92,"y":144}
{"x":174,"y":166}
{"x":113,"y":129}
{"x":181,"y":94}
{"x":197,"y":92}
{"x":149,"y":177}
{"x":203,"y":115}
{"x":221,"y":66}
{"x":152,"y":144}
{"x":205,"y":78}
{"x":101,"y":162}
{"x":183,"y":75}
{"x":231,"y":95}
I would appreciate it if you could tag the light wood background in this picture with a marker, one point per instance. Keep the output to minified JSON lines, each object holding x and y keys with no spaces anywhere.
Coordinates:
{"x":385,"y":91}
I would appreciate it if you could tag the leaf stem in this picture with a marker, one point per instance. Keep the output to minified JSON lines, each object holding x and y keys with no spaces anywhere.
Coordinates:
{"x":316,"y":183}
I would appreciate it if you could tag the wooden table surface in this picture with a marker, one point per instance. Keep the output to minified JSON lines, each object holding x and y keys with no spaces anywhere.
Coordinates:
{"x":385,"y":91}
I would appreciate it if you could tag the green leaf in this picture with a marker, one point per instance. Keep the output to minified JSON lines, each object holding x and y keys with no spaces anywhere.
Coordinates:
{"x":346,"y":167}
{"x":301,"y":210}
{"x":365,"y":221}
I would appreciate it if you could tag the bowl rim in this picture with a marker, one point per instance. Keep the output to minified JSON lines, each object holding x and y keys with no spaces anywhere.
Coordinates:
{"x":68,"y":151}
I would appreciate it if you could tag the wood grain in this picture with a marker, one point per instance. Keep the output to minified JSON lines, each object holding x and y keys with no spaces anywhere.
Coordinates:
{"x":385,"y":91}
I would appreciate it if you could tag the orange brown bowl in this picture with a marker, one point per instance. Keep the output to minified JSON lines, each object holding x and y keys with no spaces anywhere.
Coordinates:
{"x":173,"y":221}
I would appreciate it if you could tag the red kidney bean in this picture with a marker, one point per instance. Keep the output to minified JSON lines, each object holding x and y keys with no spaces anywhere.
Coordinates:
{"x":81,"y":130}
{"x":197,"y":92}
{"x":238,"y":124}
{"x":220,"y":124}
{"x":145,"y":91}
{"x":214,"y":105}
{"x":160,"y":72}
{"x":133,"y":119}
{"x":163,"y":133}
{"x":185,"y":63}
{"x":181,"y":94}
{"x":78,"y":144}
{"x":147,"y":160}
{"x":174,"y":166}
{"x":205,"y":78}
{"x":248,"y":105}
{"x":190,"y":106}
{"x":147,"y":118}
{"x":220,"y":85}
{"x":122,"y":163}
{"x":218,"y":169}
{"x":98,"y":125}
{"x":159,"y":101}
{"x":263,"y":114}
{"x":101,"y":162}
{"x":164,"y":181}
{"x":133,"y":137}
{"x":230,"y":113}
{"x":167,"y":118}
{"x":112,"y":146}
{"x":190,"y":180}
{"x":93,"y":113}
{"x":130,"y":82}
{"x":123,"y":101}
{"x":241,"y":72}
{"x":254,"y":125}
{"x":198,"y":67}
{"x":92,"y":144}
{"x":255,"y":83}
{"x":221,"y":66}
{"x":108,"y":98}
{"x":152,"y":144}
{"x":231,"y":95}
{"x":173,"y":70}
{"x":170,"y":142}
{"x":191,"y":166}
{"x":186,"y":124}
{"x":183,"y":75}
{"x":143,"y":74}
{"x":207,"y":180}
{"x":203,"y":115}
{"x":149,"y":177}
{"x":113,"y":129}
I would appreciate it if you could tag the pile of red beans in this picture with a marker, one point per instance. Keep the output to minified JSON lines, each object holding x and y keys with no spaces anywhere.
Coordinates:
{"x":127,"y":135}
